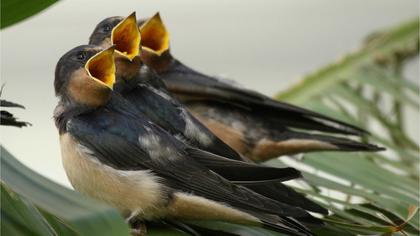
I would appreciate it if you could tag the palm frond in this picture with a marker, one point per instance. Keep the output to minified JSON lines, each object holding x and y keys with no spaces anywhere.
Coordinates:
{"x":367,"y":193}
{"x":34,"y":205}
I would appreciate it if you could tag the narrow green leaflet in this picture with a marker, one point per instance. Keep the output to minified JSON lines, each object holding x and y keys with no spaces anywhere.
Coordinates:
{"x":55,"y":210}
{"x":13,"y":11}
{"x":367,"y":88}
{"x":326,"y":78}
{"x":83,"y":215}
{"x":19,"y":217}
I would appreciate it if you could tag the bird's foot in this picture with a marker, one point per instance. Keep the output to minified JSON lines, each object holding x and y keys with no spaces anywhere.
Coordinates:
{"x":138,"y":227}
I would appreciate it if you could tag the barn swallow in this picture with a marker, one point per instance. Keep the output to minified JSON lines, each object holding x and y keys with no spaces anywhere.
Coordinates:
{"x":140,"y":85}
{"x":115,"y":154}
{"x":253,"y":124}
{"x":143,"y":88}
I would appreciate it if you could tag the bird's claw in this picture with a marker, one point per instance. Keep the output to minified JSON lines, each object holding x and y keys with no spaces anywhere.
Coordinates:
{"x":138,"y":227}
{"x":140,"y":231}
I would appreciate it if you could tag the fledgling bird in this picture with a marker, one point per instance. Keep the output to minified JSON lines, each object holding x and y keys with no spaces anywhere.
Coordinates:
{"x":137,"y":83}
{"x":253,"y":124}
{"x":113,"y":153}
{"x":146,"y":91}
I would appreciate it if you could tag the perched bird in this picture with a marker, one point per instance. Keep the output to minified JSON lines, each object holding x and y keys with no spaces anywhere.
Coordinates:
{"x":253,"y":124}
{"x":114,"y":153}
{"x":146,"y":91}
{"x":137,"y":83}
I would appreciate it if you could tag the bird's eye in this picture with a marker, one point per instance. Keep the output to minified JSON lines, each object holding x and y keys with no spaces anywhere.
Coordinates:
{"x":81,"y":56}
{"x":107,"y":28}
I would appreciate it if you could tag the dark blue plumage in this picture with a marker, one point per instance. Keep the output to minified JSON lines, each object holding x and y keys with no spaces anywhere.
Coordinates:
{"x":147,"y":92}
{"x":255,"y":125}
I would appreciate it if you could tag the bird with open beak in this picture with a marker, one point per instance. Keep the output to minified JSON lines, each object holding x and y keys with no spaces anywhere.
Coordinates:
{"x":140,"y":85}
{"x":115,"y":154}
{"x":148,"y":94}
{"x":255,"y":125}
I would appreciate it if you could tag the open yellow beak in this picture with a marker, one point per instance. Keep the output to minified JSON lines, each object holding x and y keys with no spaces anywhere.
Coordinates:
{"x":101,"y":67}
{"x":126,"y":37}
{"x":154,"y":36}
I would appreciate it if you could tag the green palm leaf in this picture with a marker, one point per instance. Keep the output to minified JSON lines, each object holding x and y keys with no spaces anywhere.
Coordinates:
{"x":379,"y":191}
{"x":31,"y":200}
{"x":13,"y":11}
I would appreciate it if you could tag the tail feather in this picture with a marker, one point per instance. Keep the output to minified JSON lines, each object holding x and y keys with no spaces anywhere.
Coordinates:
{"x":183,"y":80}
{"x":281,"y":224}
{"x":311,"y":222}
{"x":285,"y":194}
{"x":300,"y":223}
{"x":302,"y":118}
{"x":336,"y":143}
{"x":291,"y":142}
{"x":287,"y":227}
{"x":242,"y":172}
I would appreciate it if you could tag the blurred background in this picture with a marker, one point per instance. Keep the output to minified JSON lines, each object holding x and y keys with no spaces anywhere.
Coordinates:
{"x":265,"y":45}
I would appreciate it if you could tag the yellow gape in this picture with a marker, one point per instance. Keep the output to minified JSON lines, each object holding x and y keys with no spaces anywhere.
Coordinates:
{"x":101,"y":67}
{"x":155,"y":37}
{"x":126,"y":37}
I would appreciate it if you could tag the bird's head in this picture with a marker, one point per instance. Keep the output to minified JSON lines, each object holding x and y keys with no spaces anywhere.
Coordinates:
{"x":125,"y":35}
{"x":85,"y":75}
{"x":154,"y":43}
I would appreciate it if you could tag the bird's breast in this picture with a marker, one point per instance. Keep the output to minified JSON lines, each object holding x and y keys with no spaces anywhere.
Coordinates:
{"x":128,"y":191}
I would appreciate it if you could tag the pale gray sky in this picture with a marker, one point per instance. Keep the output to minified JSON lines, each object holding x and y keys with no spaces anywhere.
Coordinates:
{"x":264,"y":44}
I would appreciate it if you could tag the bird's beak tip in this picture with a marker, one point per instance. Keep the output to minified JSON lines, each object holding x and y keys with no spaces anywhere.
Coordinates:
{"x":133,"y":15}
{"x":126,"y":37}
{"x":101,"y":67}
{"x":155,"y":37}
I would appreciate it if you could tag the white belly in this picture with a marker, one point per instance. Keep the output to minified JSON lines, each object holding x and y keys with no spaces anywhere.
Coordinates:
{"x":138,"y":192}
{"x":128,"y":191}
